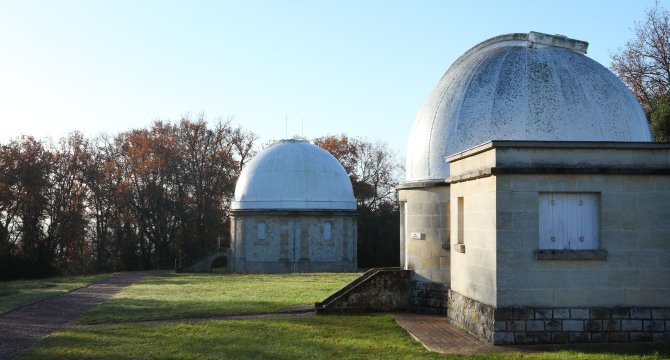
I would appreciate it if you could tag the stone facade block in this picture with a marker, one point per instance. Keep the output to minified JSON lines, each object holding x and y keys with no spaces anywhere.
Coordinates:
{"x":631,"y":325}
{"x":640,"y":336}
{"x":593,"y":325}
{"x":600,"y":313}
{"x":612,"y":325}
{"x":561,"y":313}
{"x":580,"y":337}
{"x":661,"y":313}
{"x":599,"y":337}
{"x":653,"y":325}
{"x":579,"y":313}
{"x":503,"y":338}
{"x":620,"y":313}
{"x":553,"y":325}
{"x":640,"y":313}
{"x":560,"y":338}
{"x":573,"y":325}
{"x":524,"y":314}
{"x":535,"y":325}
{"x":500,"y":326}
{"x":543,"y":314}
{"x":516,"y":325}
{"x":619,"y":337}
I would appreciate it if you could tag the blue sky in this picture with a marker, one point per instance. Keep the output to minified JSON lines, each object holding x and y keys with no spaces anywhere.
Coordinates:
{"x":329,"y":67}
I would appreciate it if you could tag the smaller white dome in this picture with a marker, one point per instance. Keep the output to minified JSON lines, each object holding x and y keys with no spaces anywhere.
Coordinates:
{"x":294,"y":175}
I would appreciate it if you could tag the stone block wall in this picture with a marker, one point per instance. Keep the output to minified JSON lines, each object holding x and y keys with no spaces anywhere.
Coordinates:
{"x":580,"y":325}
{"x":428,"y":297}
{"x":294,"y":242}
{"x":530,"y":325}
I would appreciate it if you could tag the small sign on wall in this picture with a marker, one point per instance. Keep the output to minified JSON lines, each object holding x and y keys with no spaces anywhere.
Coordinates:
{"x":418,"y":236}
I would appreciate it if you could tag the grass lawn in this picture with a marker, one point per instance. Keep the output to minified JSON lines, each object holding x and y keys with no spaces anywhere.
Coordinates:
{"x":322,"y":337}
{"x":196,"y":295}
{"x":14,"y":294}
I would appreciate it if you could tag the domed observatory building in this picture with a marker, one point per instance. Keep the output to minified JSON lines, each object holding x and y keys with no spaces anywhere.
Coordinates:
{"x":535,"y":201}
{"x":294,"y":211}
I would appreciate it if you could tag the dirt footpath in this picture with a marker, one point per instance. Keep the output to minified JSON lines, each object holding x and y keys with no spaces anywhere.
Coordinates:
{"x":24,"y":327}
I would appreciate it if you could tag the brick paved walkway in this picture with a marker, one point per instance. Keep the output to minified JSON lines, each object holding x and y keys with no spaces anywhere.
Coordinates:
{"x":22,"y":328}
{"x":438,"y":335}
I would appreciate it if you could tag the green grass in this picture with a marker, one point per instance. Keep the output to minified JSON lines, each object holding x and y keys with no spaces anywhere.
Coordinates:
{"x":14,"y":294}
{"x":198,"y":295}
{"x":322,"y":337}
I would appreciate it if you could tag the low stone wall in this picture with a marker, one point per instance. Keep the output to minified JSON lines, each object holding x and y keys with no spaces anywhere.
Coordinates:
{"x":472,"y":316}
{"x":428,"y":297}
{"x":558,"y":325}
{"x":382,"y":290}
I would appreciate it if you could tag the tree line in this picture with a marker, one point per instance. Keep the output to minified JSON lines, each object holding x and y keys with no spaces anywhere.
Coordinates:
{"x":644,"y":65}
{"x":145,"y":197}
{"x":133,"y":201}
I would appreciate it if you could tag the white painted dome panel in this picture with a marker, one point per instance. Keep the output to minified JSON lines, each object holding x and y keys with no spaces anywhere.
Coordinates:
{"x":294,"y":175}
{"x":521,"y":87}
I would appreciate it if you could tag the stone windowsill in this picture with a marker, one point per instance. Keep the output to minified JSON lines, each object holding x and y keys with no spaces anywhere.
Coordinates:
{"x":570,"y":255}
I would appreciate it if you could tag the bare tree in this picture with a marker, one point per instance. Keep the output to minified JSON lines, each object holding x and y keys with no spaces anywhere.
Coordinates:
{"x":644,"y":65}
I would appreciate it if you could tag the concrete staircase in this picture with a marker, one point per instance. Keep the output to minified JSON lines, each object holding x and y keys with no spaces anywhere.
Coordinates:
{"x":377,"y":290}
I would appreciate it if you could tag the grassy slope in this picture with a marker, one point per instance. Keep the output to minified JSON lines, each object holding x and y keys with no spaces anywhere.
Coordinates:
{"x":194,"y":295}
{"x":323,"y":337}
{"x":14,"y":294}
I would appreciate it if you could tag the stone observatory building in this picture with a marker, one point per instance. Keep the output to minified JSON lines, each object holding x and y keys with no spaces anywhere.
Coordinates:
{"x":535,"y":206}
{"x":294,"y":211}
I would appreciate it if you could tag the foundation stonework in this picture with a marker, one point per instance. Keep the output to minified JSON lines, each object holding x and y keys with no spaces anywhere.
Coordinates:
{"x":528,"y":325}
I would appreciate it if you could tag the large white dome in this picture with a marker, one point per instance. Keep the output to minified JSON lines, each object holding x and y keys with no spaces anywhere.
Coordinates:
{"x":521,"y":87}
{"x":294,"y":175}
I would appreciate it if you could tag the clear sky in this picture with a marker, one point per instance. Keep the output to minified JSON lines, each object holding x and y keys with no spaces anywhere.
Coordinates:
{"x":358,"y":67}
